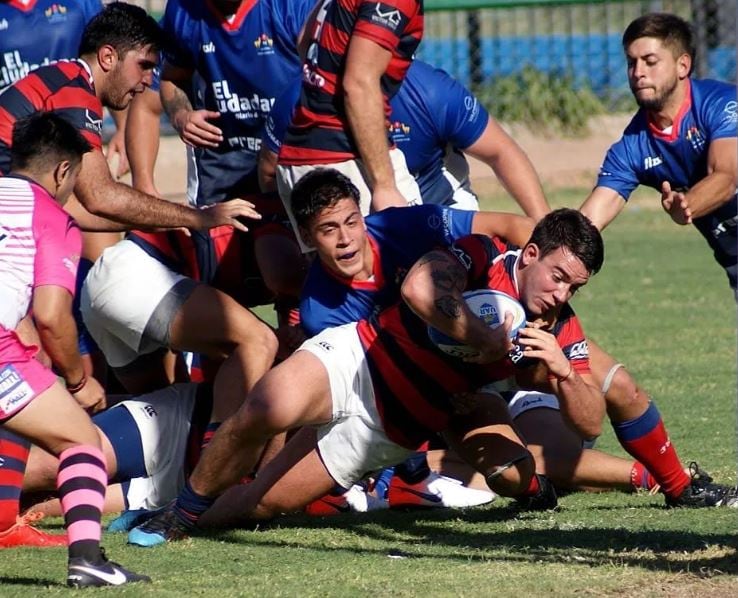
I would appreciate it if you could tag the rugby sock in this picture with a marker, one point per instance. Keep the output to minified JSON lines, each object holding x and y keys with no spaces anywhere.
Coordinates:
{"x":190,"y":505}
{"x":534,"y":487}
{"x":208,"y":435}
{"x":13,"y":457}
{"x":382,"y":483}
{"x":645,"y":439}
{"x":81,"y":481}
{"x":641,"y":478}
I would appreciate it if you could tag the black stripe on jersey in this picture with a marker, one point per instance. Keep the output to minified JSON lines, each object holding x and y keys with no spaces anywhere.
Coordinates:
{"x":16,"y":103}
{"x":4,"y":158}
{"x":329,"y":140}
{"x":54,"y":79}
{"x":397,"y":419}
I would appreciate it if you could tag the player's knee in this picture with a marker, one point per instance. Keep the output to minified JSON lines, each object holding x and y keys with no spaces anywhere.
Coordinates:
{"x":261,"y":417}
{"x":623,"y":394}
{"x":512,"y":478}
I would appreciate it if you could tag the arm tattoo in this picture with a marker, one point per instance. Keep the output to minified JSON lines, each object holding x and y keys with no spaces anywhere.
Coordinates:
{"x":175,"y":100}
{"x":446,"y":273}
{"x":449,"y":306}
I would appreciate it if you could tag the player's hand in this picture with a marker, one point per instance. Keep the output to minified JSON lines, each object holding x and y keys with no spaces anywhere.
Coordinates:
{"x":542,"y":345}
{"x":91,"y":396}
{"x":497,"y":343}
{"x":228,"y":212}
{"x":195,"y":130}
{"x":117,"y":147}
{"x":387,"y":197}
{"x":675,"y":204}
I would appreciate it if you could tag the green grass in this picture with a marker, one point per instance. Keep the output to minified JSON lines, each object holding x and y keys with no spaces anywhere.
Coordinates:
{"x":663,"y":307}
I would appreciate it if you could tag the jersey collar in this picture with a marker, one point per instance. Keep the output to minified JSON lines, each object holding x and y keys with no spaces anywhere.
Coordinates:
{"x":677,"y":123}
{"x":238,"y":18}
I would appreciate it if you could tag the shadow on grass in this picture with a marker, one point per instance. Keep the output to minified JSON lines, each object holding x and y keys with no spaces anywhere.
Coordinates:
{"x":29,"y":581}
{"x":464,"y":536}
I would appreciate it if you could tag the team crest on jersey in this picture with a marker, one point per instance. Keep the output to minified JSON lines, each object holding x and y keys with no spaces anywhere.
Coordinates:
{"x":264,"y":45}
{"x":696,"y":139}
{"x":56,"y":13}
{"x":399,"y":131}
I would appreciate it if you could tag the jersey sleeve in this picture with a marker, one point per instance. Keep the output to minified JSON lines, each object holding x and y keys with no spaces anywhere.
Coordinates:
{"x":616,"y":172}
{"x":722,"y":114}
{"x":464,"y":117}
{"x":279,"y":117}
{"x":58,"y":243}
{"x":385,"y":22}
{"x":174,"y":26}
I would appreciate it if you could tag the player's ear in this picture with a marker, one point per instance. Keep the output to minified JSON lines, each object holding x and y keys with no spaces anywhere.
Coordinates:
{"x":62,"y":171}
{"x":107,"y":56}
{"x":684,"y":66}
{"x":531,"y":252}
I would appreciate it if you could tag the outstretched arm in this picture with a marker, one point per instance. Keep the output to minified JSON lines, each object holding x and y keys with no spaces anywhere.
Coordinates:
{"x":513,"y":168}
{"x":602,"y":206}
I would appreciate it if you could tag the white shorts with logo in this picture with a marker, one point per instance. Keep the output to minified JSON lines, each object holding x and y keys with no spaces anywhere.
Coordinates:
{"x":287,"y":177}
{"x":354,"y":443}
{"x":122,"y":292}
{"x":163,"y":419}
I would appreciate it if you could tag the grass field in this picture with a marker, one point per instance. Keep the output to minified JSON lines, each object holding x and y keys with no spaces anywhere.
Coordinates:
{"x":663,"y":307}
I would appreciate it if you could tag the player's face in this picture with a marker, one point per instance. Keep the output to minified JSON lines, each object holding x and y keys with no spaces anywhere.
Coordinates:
{"x":546,"y":283}
{"x":338,"y":235}
{"x":131,"y":74}
{"x":654,"y":72}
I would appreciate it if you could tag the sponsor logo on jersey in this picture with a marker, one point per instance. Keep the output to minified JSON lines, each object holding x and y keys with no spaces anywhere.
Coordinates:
{"x":4,"y":25}
{"x":387,"y":17}
{"x":652,"y":162}
{"x":70,"y":263}
{"x":696,"y":139}
{"x":472,"y":107}
{"x":311,"y":77}
{"x":325,"y":346}
{"x":13,"y":67}
{"x":731,"y":112}
{"x":264,"y":45}
{"x":92,"y":122}
{"x":578,"y":350}
{"x":243,"y":107}
{"x":399,"y":131}
{"x":149,"y":410}
{"x":208,"y":48}
{"x":56,"y":13}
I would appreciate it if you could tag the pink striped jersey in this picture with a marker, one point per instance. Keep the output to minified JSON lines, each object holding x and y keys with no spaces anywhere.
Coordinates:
{"x":39,"y":245}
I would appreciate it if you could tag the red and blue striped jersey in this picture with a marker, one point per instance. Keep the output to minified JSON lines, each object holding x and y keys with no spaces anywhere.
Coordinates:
{"x":66,"y":88}
{"x":319,"y":133}
{"x":414,"y":381}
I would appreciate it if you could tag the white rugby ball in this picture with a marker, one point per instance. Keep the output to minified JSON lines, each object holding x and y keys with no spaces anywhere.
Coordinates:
{"x":491,"y":306}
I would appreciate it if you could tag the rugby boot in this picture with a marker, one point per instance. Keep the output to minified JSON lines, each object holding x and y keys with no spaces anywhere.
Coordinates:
{"x":703,"y":492}
{"x":82,"y":573}
{"x":435,"y":491}
{"x":544,"y":500}
{"x":165,"y":526}
{"x":22,"y":533}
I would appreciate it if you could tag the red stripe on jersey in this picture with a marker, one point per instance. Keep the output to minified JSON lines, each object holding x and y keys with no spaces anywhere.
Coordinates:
{"x":297,"y":156}
{"x":379,"y":35}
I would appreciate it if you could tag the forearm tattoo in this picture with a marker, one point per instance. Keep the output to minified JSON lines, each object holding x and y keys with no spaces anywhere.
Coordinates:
{"x":449,"y":306}
{"x":175,"y":100}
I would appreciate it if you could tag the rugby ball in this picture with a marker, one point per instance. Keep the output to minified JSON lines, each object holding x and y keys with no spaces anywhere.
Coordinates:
{"x":491,"y":306}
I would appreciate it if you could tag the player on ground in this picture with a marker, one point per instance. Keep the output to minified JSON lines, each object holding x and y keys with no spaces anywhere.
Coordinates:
{"x":357,"y":55}
{"x":39,"y":251}
{"x":377,"y":389}
{"x":118,"y":52}
{"x":682,"y":142}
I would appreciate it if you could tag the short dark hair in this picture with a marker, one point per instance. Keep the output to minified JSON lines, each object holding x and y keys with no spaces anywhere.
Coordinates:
{"x":574,"y":231}
{"x":318,"y":189}
{"x":124,"y":27}
{"x":673,"y":31}
{"x":42,"y":140}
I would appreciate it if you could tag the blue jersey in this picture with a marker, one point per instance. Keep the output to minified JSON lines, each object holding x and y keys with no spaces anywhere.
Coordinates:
{"x":433,"y":118}
{"x":328,"y":300}
{"x":245,"y":63}
{"x":647,"y":156}
{"x":45,"y":30}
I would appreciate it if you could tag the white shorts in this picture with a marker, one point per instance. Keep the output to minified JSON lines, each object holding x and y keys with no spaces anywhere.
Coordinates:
{"x":354,"y":443}
{"x":287,"y":177}
{"x":128,"y":301}
{"x":525,"y":400}
{"x":163,"y":419}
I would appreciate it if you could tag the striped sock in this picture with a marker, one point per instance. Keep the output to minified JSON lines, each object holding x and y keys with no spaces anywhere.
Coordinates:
{"x":646,"y":440}
{"x":81,"y":480}
{"x":13,"y":457}
{"x":641,"y":478}
{"x":190,"y":505}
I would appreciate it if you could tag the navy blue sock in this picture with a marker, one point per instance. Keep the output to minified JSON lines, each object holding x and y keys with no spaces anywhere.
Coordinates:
{"x":190,"y":505}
